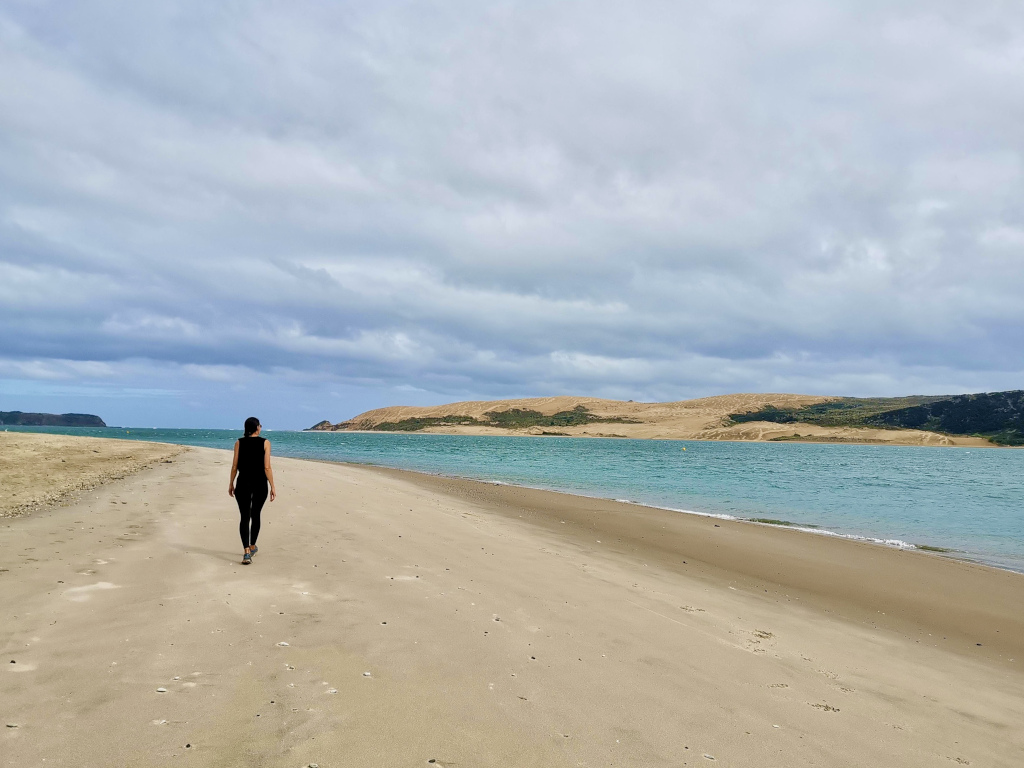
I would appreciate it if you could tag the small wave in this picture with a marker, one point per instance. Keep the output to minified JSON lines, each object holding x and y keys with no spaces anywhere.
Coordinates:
{"x":895,"y":543}
{"x":716,"y":515}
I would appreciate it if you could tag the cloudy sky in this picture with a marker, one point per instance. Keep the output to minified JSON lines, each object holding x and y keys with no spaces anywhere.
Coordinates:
{"x":301,"y":210}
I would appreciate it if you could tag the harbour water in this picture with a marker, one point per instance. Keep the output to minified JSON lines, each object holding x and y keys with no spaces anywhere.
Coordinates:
{"x":966,"y":500}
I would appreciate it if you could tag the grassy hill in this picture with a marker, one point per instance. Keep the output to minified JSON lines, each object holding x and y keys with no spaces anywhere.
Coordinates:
{"x":996,"y":416}
{"x":513,"y":418}
{"x":999,"y":416}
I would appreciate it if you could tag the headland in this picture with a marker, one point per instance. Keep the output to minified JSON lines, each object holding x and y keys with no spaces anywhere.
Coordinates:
{"x":983,"y":419}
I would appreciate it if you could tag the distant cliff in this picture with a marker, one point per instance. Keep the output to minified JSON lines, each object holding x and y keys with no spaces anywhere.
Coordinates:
{"x":19,"y":419}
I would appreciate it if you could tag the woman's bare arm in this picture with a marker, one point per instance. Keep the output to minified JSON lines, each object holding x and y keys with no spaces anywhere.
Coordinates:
{"x":234,"y":471}
{"x":269,"y":471}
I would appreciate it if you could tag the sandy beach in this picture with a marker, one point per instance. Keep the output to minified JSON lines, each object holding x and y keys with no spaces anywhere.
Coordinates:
{"x":394,"y":619}
{"x":39,"y":470}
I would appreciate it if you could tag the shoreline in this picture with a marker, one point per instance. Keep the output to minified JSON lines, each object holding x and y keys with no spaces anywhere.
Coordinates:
{"x":759,"y":554}
{"x":880,"y":539}
{"x":475,"y":487}
{"x":890,"y":544}
{"x":825,"y":440}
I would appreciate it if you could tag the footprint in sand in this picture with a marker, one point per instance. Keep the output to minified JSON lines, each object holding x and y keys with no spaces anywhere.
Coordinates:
{"x":754,"y":644}
{"x":825,"y":707}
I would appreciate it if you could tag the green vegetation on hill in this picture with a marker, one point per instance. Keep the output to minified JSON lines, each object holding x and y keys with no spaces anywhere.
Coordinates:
{"x":422,"y":422}
{"x":517,"y":418}
{"x":997,"y":416}
{"x":19,"y":419}
{"x":514,"y":418}
{"x":842,"y":412}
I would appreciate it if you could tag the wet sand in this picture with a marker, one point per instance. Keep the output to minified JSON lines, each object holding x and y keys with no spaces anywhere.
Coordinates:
{"x":394,"y":619}
{"x":961,"y":606}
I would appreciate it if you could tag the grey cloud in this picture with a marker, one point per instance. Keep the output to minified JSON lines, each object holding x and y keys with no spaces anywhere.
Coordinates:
{"x":653,"y":200}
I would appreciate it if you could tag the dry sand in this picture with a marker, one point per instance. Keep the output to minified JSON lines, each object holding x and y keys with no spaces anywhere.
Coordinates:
{"x":38,"y":470}
{"x":394,"y":619}
{"x":702,"y":419}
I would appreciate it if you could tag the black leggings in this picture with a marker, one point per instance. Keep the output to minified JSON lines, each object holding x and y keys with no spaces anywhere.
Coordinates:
{"x":250,"y":500}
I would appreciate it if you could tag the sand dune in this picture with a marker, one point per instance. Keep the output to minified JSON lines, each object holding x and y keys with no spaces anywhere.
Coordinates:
{"x":393,"y":619}
{"x":702,"y":419}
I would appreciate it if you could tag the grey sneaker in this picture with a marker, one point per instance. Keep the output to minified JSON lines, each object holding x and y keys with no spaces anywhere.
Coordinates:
{"x":246,"y":559}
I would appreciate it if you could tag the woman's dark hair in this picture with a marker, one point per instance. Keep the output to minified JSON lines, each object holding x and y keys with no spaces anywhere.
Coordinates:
{"x":251,"y":425}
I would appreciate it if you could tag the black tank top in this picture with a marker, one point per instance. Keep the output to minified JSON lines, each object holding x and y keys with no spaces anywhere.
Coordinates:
{"x":251,"y":459}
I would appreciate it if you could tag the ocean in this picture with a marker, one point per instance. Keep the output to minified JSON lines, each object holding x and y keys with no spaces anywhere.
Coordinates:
{"x":968,"y":501}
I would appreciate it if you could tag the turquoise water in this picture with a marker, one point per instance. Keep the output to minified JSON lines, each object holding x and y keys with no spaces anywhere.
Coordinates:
{"x":965,"y":499}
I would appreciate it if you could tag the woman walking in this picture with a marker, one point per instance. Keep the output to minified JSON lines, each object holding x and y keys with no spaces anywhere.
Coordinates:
{"x":252,"y":465}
